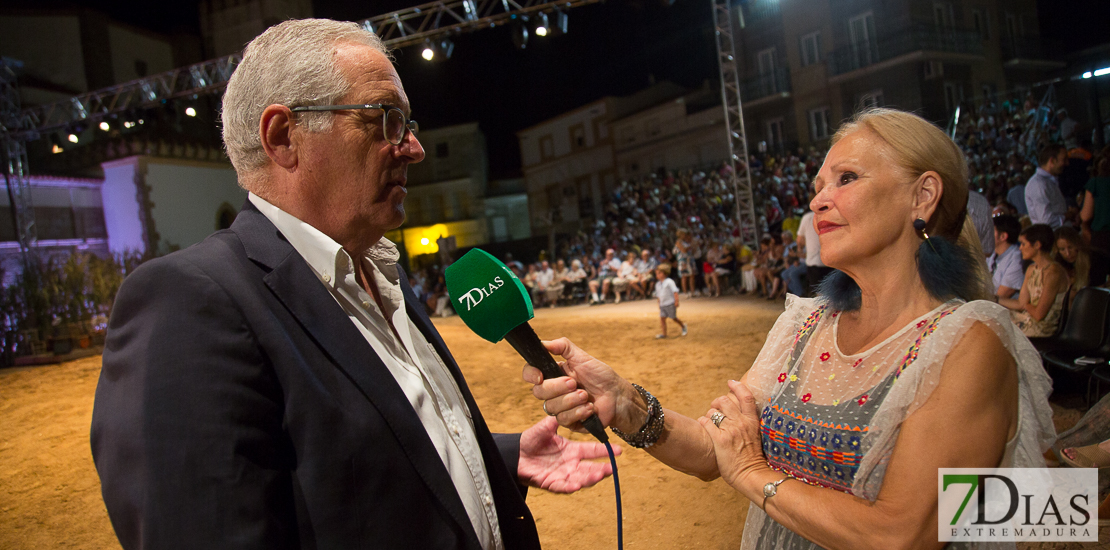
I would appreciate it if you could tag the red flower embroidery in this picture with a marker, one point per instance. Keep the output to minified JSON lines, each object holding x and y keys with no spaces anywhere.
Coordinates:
{"x":782,"y":377}
{"x":835,"y":314}
{"x":921,"y":323}
{"x":862,"y":399}
{"x":858,"y":361}
{"x":806,"y":398}
{"x":825,"y":356}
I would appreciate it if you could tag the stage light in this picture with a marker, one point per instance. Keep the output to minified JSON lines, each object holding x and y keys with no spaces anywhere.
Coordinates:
{"x":73,"y":138}
{"x":428,"y":54}
{"x":191,"y":112}
{"x":440,"y":50}
{"x":55,"y":143}
{"x":424,"y":241}
{"x":56,"y":149}
{"x":520,"y":36}
{"x":104,"y":126}
{"x":1103,"y":71}
{"x":446,"y":48}
{"x":557,"y":24}
{"x":541,"y":25}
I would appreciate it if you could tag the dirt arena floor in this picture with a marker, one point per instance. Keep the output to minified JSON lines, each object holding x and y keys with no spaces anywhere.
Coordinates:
{"x":50,"y":494}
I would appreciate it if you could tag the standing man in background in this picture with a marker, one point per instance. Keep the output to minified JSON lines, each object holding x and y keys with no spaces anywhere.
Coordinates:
{"x":278,"y":385}
{"x":808,"y":239}
{"x":1042,"y":194}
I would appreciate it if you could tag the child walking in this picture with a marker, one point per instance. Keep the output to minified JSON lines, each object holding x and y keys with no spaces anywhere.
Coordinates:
{"x":667,"y":294}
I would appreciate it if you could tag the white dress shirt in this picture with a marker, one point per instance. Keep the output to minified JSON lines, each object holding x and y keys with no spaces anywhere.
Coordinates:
{"x":1044,"y":200}
{"x":413,"y":362}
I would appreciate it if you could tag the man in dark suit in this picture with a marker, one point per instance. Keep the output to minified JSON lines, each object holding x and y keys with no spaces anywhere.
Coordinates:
{"x":278,"y":385}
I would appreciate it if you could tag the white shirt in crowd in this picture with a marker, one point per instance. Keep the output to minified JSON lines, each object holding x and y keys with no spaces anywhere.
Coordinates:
{"x":418,"y":369}
{"x":544,"y":277}
{"x":807,"y":230}
{"x":665,"y":290}
{"x":1044,"y":200}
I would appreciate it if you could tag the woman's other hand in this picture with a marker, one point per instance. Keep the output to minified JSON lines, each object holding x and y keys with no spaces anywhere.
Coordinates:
{"x":590,"y":387}
{"x":736,"y":441}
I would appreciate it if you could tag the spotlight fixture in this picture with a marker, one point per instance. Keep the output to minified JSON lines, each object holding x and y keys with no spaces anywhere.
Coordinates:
{"x":557,"y":24}
{"x":105,"y":126}
{"x":541,"y":24}
{"x":73,"y":138}
{"x":190,"y":112}
{"x":520,"y":36}
{"x":439,"y":50}
{"x":56,"y":143}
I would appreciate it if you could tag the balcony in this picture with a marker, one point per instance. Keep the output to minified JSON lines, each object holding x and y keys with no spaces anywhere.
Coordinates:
{"x":1029,"y":52}
{"x":917,"y":37}
{"x":775,"y":83}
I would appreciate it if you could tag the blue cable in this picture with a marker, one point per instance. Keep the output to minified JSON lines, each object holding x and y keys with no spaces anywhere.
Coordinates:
{"x":617,"y":488}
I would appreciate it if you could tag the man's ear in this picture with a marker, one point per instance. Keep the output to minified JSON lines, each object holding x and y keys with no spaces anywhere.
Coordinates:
{"x":929,"y":190}
{"x":276,"y":129}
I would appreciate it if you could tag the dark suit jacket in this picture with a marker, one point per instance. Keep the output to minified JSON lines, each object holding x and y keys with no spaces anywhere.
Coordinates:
{"x":239,"y":407}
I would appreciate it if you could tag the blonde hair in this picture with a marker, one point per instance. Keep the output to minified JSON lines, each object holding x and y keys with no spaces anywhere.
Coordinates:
{"x":918,"y":146}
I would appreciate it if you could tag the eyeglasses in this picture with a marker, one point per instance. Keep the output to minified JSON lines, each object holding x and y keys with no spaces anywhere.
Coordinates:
{"x":394,"y":121}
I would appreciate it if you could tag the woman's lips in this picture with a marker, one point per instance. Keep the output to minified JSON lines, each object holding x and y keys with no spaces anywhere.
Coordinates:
{"x":825,"y":227}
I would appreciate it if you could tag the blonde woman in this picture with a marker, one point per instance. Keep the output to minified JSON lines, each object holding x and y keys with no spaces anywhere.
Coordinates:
{"x":890,"y":210}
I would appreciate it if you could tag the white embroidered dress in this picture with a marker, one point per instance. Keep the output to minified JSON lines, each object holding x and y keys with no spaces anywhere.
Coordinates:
{"x":871,"y":392}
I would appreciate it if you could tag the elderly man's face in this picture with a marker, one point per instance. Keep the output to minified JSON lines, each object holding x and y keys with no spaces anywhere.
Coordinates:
{"x":351,"y":168}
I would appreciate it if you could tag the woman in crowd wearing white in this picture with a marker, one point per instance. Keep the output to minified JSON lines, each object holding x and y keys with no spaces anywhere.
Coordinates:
{"x":861,"y":465}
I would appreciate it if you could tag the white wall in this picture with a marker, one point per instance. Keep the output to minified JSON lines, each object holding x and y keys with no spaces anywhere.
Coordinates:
{"x":186,"y":198}
{"x":122,"y":214}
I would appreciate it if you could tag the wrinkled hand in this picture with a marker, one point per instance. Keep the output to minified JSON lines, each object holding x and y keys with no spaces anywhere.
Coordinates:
{"x":737,"y":442}
{"x":589,"y":388}
{"x":559,"y":465}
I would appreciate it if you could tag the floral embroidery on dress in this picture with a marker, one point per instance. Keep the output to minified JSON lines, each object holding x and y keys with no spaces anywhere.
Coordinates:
{"x":862,"y":399}
{"x":793,"y":377}
{"x":825,"y":356}
{"x":806,"y":398}
{"x":857,"y":363}
{"x":782,"y":377}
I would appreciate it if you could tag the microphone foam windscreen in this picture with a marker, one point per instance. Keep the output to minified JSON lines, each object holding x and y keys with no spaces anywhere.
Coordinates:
{"x":485,"y":293}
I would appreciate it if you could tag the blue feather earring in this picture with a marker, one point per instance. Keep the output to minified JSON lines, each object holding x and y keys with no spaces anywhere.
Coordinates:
{"x":947,"y":270}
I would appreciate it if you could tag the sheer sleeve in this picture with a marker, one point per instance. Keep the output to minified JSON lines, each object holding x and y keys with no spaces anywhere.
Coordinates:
{"x":776,"y":350}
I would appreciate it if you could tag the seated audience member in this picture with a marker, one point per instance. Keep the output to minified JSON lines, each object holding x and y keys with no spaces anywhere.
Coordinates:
{"x":709,"y":268}
{"x":557,"y":287}
{"x":627,"y":279}
{"x":543,"y":279}
{"x":606,"y":271}
{"x":726,"y":263}
{"x":1037,"y":310}
{"x":645,"y":266}
{"x":1072,"y":255}
{"x":1005,"y":261}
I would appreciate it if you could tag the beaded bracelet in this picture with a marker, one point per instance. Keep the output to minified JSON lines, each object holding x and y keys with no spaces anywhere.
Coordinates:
{"x":653,"y":425}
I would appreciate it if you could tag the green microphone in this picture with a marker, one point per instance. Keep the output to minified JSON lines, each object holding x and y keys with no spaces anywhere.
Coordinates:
{"x":495,"y":305}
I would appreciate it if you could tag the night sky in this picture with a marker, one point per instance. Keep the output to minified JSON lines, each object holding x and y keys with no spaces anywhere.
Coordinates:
{"x":613,"y":48}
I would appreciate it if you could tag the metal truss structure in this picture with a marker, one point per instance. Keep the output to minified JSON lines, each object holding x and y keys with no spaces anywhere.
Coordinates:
{"x":399,"y":29}
{"x":734,"y":124}
{"x":15,"y":158}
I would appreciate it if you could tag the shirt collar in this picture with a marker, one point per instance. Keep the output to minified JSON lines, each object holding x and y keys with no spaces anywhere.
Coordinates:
{"x":325,"y":256}
{"x":1045,"y":173}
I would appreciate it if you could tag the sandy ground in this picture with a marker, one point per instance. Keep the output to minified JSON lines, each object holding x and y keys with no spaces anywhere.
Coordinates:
{"x":50,"y":494}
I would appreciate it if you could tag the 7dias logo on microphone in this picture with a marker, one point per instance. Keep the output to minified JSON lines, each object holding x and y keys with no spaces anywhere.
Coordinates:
{"x":1017,"y":504}
{"x":475,"y":295}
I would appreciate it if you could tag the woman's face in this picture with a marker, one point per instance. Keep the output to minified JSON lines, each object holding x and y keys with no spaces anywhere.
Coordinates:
{"x":864,"y":203}
{"x":1028,"y":251}
{"x":1068,"y":251}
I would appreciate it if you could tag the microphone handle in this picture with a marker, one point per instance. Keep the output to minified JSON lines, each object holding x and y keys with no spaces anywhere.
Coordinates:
{"x":525,"y":341}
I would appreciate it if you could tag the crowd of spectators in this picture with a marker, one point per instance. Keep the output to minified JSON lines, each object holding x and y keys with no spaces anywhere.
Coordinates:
{"x":687,"y":218}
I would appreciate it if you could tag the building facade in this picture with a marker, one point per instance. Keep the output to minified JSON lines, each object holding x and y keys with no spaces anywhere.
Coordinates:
{"x":809,"y":64}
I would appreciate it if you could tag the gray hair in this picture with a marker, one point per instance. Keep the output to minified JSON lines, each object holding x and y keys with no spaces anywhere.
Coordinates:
{"x":291,"y":63}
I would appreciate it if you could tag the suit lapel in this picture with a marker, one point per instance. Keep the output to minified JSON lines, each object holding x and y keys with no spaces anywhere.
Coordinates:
{"x":293,"y":283}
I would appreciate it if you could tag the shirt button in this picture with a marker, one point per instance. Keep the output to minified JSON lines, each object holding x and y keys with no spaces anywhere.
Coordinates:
{"x":366,"y":305}
{"x":487,"y":500}
{"x":327,"y":278}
